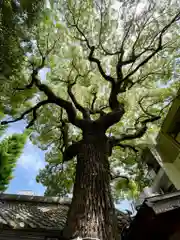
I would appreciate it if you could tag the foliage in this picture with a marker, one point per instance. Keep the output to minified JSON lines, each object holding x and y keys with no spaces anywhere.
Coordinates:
{"x":104,"y":56}
{"x":2,"y":128}
{"x":16,"y":17}
{"x":57,"y":179}
{"x":10,"y":150}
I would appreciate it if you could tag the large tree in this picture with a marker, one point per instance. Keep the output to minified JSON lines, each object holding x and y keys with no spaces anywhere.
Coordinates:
{"x":10,"y":150}
{"x":107,"y":63}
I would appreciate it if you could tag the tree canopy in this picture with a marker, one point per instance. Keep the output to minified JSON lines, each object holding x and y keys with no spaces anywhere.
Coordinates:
{"x":107,"y":61}
{"x":16,"y":18}
{"x":10,"y":150}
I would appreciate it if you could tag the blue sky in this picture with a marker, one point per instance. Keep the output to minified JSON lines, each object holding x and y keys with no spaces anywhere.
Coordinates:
{"x":28,"y":165}
{"x":30,"y":162}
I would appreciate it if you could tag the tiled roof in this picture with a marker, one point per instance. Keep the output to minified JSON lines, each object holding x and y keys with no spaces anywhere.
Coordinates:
{"x":20,"y":211}
{"x":164,"y":203}
{"x":34,"y":212}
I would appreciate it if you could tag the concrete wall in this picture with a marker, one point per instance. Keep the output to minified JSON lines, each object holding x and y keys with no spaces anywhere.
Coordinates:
{"x":173,"y":173}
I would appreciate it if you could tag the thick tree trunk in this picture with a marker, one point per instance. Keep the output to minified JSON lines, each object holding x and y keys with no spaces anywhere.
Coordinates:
{"x":92,"y":213}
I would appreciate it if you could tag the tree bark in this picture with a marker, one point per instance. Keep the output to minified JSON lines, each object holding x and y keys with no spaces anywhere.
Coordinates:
{"x":92,"y":212}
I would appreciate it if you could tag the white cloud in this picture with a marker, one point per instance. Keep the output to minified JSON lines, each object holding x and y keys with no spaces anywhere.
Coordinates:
{"x":30,"y":163}
{"x":17,"y":127}
{"x":32,"y":158}
{"x":31,"y":182}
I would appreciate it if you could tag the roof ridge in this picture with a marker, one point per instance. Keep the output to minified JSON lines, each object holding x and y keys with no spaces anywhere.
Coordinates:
{"x":28,"y":198}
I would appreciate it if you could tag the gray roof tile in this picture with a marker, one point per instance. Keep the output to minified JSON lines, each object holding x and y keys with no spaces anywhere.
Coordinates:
{"x":17,"y":214}
{"x":19,"y":211}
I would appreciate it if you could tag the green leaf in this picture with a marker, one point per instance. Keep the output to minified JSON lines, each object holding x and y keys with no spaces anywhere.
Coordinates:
{"x":10,"y":150}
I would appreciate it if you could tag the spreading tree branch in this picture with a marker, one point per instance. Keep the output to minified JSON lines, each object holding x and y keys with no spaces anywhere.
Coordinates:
{"x":68,"y":151}
{"x":142,"y":78}
{"x":126,"y":82}
{"x":142,"y":108}
{"x":52,"y":97}
{"x":78,"y":106}
{"x":75,"y":24}
{"x":124,"y":146}
{"x":94,"y":100}
{"x":113,"y":142}
{"x":111,"y":118}
{"x":115,"y":176}
{"x":139,"y":132}
{"x":99,"y":111}
{"x":154,"y":51}
{"x":120,"y":62}
{"x":71,"y":151}
{"x":33,"y":110}
{"x":98,"y":62}
{"x":115,"y":86}
{"x":146,"y":111}
{"x":71,"y":112}
{"x":138,"y":37}
{"x":103,"y":15}
{"x":64,"y":138}
{"x":113,"y":102}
